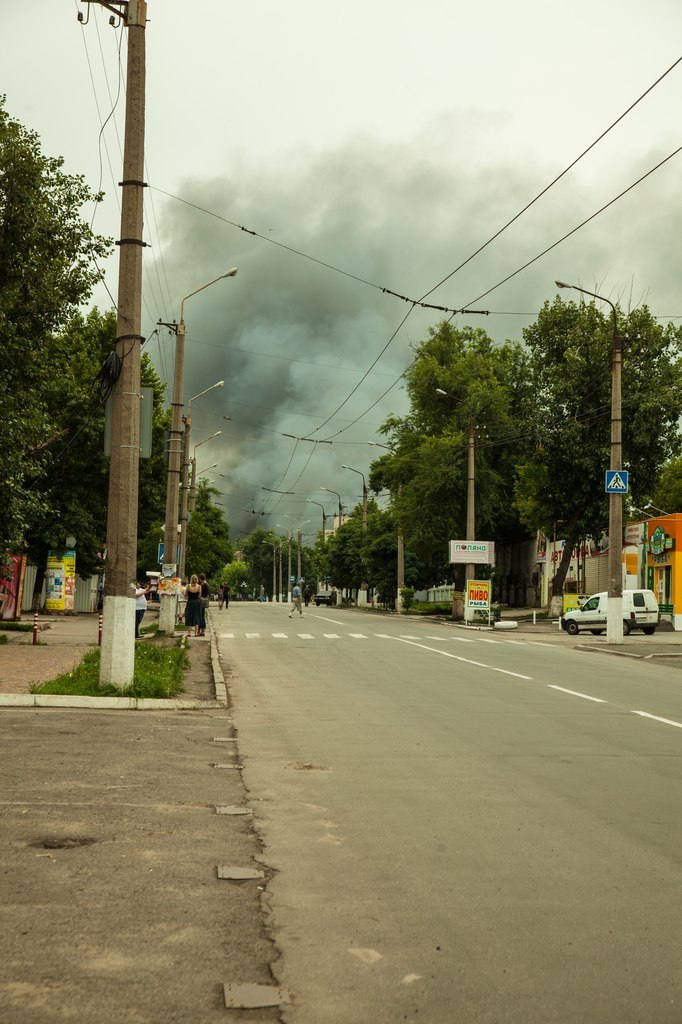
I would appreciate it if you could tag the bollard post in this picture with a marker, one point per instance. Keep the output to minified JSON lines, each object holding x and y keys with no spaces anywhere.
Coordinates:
{"x":35,"y":626}
{"x":99,"y":631}
{"x":534,"y":614}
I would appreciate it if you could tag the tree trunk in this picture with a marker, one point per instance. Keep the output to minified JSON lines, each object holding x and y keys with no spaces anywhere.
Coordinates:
{"x":556,"y":604}
{"x":38,"y":588}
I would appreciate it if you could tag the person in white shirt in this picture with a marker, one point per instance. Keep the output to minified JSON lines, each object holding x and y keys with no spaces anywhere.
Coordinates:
{"x":296,"y":601}
{"x":140,"y":606}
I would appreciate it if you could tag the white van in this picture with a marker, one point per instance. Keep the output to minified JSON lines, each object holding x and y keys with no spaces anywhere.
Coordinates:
{"x":640,"y":611}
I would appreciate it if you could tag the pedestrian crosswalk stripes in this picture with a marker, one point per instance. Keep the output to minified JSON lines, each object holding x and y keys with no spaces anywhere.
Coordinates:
{"x":452,"y":639}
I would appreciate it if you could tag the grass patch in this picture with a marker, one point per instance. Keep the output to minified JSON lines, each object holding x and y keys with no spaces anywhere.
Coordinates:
{"x":424,"y":608}
{"x":158,"y":673}
{"x":16,"y":627}
{"x":3,"y":639}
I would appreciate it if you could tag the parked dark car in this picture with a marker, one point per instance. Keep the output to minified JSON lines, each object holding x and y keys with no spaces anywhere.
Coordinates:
{"x":325,"y":597}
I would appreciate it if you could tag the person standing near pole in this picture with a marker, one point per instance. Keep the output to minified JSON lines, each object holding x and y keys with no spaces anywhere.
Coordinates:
{"x":296,"y":601}
{"x":140,"y":606}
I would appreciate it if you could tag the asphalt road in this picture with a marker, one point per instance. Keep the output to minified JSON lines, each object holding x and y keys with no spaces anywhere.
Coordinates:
{"x":465,"y":827}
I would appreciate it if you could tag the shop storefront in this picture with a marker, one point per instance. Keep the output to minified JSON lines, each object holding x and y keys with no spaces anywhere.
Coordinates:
{"x":664,"y":565}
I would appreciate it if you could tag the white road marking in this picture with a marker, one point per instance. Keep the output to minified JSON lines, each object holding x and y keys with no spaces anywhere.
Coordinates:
{"x":358,"y":636}
{"x":331,"y":636}
{"x":408,"y":637}
{"x":325,"y":619}
{"x":280,"y":636}
{"x":467,"y":661}
{"x":306,"y":636}
{"x":666,"y":721}
{"x":450,"y":639}
{"x":574,"y":693}
{"x":227,"y":636}
{"x":253,"y":636}
{"x":381,"y":636}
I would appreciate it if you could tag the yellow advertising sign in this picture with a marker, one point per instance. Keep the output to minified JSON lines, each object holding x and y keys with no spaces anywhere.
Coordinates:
{"x":478,"y":593}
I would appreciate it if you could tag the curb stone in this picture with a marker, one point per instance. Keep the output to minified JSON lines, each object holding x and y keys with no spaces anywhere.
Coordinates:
{"x":43,"y":700}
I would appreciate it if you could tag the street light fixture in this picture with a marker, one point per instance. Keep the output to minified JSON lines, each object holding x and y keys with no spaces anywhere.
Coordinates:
{"x":194,"y":467}
{"x":329,"y":491}
{"x":469,"y":570}
{"x":364,"y":494}
{"x":184,"y":503}
{"x":614,"y":615}
{"x":400,"y":566}
{"x":299,"y":531}
{"x":649,"y":504}
{"x":168,"y":607}
{"x":288,"y":529}
{"x":324,"y":518}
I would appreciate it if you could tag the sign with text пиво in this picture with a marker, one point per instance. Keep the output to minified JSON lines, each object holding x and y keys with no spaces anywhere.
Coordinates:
{"x":478,"y":593}
{"x":471,"y":552}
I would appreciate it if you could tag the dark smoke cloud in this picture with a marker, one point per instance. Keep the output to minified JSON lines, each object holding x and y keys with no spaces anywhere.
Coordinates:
{"x":292,"y":338}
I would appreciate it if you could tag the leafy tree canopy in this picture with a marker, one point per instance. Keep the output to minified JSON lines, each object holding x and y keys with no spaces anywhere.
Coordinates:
{"x":568,"y":415}
{"x":47,"y":270}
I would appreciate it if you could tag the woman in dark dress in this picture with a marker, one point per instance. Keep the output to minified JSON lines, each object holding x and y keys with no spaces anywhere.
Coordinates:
{"x":193,"y":607}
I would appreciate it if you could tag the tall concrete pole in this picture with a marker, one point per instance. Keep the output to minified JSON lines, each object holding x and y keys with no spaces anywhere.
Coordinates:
{"x":614,"y":612}
{"x":279,"y":592}
{"x":470,"y":570}
{"x":184,"y":502}
{"x":298,"y":560}
{"x":117,"y":661}
{"x":169,"y":602}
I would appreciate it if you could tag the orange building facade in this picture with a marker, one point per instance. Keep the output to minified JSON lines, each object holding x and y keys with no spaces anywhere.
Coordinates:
{"x":664,"y":565}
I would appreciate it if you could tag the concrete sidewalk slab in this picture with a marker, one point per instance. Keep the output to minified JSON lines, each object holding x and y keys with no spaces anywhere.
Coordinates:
{"x":111,"y":906}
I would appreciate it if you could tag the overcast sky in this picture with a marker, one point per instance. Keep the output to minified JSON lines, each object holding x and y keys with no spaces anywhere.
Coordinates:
{"x":386,"y":141}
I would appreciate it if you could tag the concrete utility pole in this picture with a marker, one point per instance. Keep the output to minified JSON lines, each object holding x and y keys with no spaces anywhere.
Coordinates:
{"x":324,"y":517}
{"x":169,"y":602}
{"x":117,"y":662}
{"x":470,"y":570}
{"x":288,"y":529}
{"x":614,"y":613}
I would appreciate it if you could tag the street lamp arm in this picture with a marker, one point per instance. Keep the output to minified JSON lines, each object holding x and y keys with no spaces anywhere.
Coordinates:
{"x":230,"y":273}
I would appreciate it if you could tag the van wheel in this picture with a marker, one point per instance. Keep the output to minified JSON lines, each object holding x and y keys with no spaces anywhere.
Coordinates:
{"x":572,"y":628}
{"x":596,"y":632}
{"x":626,"y":627}
{"x":648,"y":630}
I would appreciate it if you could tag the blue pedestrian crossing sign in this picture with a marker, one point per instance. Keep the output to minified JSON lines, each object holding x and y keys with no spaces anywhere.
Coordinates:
{"x":616,"y":481}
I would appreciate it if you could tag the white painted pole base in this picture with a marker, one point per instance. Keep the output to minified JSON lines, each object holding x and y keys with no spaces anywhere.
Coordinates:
{"x":117,"y":658}
{"x":168,"y":610}
{"x":614,"y":620}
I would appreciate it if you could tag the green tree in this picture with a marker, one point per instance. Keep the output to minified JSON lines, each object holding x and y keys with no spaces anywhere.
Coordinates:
{"x":486,"y":387}
{"x":208,"y":536}
{"x":561,"y":479}
{"x":668,"y":492}
{"x":47,"y":270}
{"x":238,"y":577}
{"x":257,"y":551}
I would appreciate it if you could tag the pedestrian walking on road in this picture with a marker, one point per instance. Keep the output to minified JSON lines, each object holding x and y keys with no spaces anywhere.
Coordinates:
{"x":140,"y":606}
{"x":307,"y":594}
{"x":226,"y":592}
{"x":193,"y":606}
{"x":221,"y":596}
{"x":296,"y":601}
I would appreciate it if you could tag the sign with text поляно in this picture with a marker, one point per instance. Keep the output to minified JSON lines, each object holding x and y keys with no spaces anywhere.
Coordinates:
{"x":478,"y":594}
{"x":472,"y":552}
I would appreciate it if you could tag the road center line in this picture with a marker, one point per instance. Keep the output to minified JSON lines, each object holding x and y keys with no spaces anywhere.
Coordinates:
{"x":456,"y":657}
{"x":324,"y":618}
{"x":666,"y":721}
{"x":574,"y":693}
